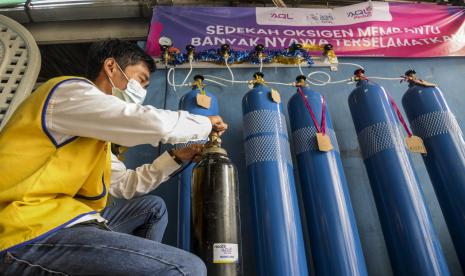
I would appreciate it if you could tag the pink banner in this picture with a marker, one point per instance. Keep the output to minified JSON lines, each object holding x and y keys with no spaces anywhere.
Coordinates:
{"x":367,"y":29}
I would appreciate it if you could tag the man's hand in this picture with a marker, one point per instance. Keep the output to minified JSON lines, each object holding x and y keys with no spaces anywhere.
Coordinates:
{"x":218,"y":125}
{"x":191,"y":152}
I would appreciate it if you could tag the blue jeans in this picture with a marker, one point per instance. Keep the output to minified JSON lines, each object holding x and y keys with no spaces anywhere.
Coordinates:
{"x":144,"y":216}
{"x":90,"y":249}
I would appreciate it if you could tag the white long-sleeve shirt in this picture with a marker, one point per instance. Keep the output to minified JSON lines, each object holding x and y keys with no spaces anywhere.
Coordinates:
{"x":78,"y":108}
{"x":126,"y":183}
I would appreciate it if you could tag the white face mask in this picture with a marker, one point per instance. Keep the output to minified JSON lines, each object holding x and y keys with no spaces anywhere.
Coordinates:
{"x":134,"y":92}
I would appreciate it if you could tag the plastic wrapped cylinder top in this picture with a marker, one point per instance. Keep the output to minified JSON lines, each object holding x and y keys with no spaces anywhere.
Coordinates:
{"x":334,"y":238}
{"x":278,"y":232}
{"x":432,"y":120}
{"x":411,"y":240}
{"x":215,"y":223}
{"x":196,"y":102}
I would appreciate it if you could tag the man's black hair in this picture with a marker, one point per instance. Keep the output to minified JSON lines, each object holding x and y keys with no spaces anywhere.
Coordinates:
{"x":124,"y":52}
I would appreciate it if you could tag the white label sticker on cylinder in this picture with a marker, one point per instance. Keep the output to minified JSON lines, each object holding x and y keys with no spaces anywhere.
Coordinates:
{"x":225,"y":253}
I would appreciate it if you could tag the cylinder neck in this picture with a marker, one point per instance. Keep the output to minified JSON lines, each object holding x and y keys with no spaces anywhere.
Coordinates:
{"x":259,"y":84}
{"x":199,"y":85}
{"x":361,"y":82}
{"x":301,"y":84}
{"x":214,"y":146}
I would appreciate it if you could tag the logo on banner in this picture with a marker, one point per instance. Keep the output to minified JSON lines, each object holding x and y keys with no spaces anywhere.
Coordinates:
{"x":284,"y":16}
{"x":325,"y":18}
{"x":361,"y":13}
{"x":313,"y":17}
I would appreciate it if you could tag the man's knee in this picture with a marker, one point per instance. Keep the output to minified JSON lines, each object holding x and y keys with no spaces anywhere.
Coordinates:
{"x":194,"y":265}
{"x":157,"y":205}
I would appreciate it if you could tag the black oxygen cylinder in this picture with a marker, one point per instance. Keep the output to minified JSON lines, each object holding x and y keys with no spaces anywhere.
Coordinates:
{"x":215,"y":217}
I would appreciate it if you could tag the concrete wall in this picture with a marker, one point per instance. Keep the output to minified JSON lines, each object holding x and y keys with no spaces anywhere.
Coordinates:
{"x":446,"y":72}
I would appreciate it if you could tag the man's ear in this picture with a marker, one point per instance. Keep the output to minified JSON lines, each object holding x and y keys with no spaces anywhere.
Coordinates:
{"x":110,"y":67}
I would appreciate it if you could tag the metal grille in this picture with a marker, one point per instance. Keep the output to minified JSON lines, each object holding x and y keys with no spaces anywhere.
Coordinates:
{"x":305,"y":139}
{"x":264,"y":121}
{"x":267,"y":148}
{"x":435,"y":123}
{"x":379,"y":137}
{"x":19,"y":66}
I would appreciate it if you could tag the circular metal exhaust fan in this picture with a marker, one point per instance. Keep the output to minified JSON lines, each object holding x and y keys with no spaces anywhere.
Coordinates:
{"x":19,"y":66}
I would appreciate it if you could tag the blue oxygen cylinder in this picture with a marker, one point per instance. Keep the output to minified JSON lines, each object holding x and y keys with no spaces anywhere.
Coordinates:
{"x":278,"y":230}
{"x":431,"y":119}
{"x":413,"y":246}
{"x":189,"y":103}
{"x":334,"y":238}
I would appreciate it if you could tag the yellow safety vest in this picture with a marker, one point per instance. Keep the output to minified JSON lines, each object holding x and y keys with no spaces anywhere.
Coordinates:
{"x":45,"y":185}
